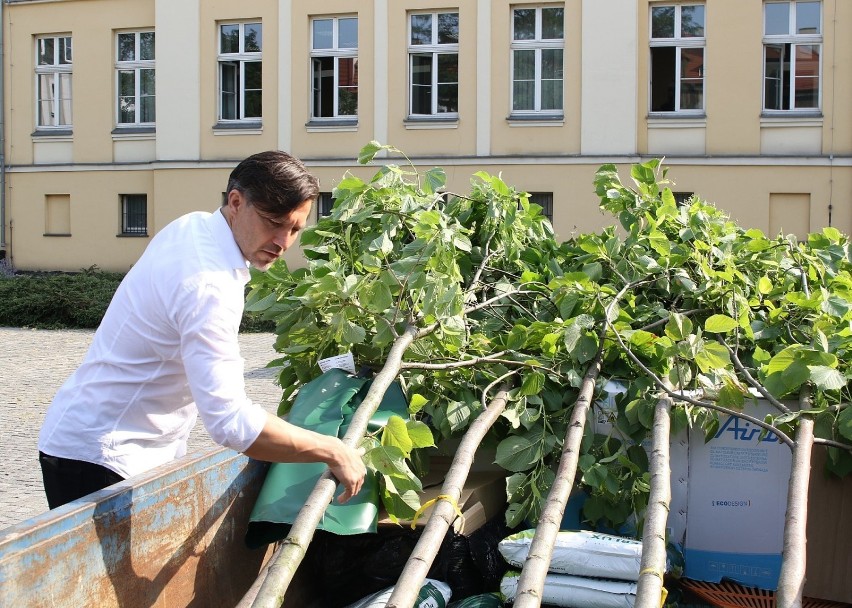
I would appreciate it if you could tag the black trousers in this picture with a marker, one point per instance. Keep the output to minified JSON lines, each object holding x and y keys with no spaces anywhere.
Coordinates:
{"x":66,"y":479}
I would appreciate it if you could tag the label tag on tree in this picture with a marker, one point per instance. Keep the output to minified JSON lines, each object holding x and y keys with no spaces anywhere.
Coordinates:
{"x":346,"y":362}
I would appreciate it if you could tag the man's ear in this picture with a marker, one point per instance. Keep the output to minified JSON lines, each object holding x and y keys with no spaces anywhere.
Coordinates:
{"x":235,"y":200}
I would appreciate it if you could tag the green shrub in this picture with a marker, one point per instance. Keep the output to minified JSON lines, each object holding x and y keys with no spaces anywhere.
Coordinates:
{"x":56,"y":300}
{"x":71,"y":300}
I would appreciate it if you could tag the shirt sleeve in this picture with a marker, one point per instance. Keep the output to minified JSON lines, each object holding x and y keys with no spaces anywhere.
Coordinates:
{"x":208,"y":319}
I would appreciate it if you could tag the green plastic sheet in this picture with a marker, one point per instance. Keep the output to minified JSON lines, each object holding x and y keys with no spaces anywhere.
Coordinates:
{"x":325,"y":405}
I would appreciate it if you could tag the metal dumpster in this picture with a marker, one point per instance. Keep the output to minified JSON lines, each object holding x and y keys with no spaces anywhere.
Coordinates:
{"x":173,"y":537}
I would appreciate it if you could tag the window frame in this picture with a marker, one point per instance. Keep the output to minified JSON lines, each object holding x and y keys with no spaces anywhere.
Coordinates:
{"x":137,"y":65}
{"x":324,"y":204}
{"x":239,"y":59}
{"x":793,"y":40}
{"x":435,"y":49}
{"x":537,"y":44}
{"x":55,"y":70}
{"x":679,"y":43}
{"x":336,"y":53}
{"x":125,"y":227}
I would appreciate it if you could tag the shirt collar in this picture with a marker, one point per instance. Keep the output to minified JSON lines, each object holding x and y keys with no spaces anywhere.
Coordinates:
{"x":223,"y":235}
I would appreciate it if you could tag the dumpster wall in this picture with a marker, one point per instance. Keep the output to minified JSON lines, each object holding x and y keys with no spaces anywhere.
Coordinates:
{"x":171,"y":538}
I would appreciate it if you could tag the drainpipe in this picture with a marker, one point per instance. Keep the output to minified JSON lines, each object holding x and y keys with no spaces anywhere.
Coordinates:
{"x":2,"y":135}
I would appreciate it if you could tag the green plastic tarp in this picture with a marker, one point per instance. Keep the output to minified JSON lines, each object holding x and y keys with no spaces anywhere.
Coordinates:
{"x":325,"y":405}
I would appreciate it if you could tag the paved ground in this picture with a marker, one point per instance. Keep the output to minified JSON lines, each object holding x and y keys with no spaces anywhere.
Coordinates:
{"x":34,"y":364}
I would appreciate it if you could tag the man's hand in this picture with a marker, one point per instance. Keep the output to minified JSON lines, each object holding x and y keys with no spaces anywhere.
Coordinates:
{"x":348,"y":469}
{"x":280,"y":441}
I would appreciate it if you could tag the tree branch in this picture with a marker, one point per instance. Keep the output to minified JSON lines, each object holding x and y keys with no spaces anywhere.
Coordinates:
{"x":679,"y":396}
{"x":750,"y":379}
{"x":444,"y":513}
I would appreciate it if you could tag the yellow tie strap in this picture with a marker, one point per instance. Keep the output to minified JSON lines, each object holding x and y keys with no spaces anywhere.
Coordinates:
{"x":664,"y":592}
{"x":429,"y":503}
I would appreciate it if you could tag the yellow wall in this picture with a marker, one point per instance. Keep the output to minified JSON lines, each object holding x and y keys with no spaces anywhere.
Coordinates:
{"x":733,"y":168}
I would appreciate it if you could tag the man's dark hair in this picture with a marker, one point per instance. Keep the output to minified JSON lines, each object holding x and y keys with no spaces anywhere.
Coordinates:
{"x":275,"y":182}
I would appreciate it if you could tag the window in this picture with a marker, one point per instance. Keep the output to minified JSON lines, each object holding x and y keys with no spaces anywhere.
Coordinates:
{"x":53,"y":81}
{"x":134,"y":66}
{"x":334,"y":67}
{"x":677,"y":58}
{"x":682,"y":198}
{"x":134,"y":214}
{"x":545,"y":201}
{"x":433,"y":55}
{"x":325,"y":203}
{"x":792,"y":51}
{"x":240,"y":84}
{"x":538,"y":36}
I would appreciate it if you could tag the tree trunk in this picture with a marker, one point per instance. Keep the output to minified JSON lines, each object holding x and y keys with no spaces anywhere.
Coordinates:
{"x":531,"y":582}
{"x":650,"y":585}
{"x":288,"y":557}
{"x":417,"y":566}
{"x":791,"y":581}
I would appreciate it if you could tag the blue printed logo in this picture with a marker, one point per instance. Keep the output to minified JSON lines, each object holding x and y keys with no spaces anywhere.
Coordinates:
{"x":743,"y":431}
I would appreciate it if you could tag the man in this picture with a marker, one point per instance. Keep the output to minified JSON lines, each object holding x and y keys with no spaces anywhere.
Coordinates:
{"x":167,"y":348}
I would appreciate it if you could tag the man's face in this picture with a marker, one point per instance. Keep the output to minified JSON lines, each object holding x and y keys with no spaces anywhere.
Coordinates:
{"x":263,"y":238}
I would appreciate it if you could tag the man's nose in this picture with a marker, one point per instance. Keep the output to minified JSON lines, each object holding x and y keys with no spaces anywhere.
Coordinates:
{"x":283,"y":239}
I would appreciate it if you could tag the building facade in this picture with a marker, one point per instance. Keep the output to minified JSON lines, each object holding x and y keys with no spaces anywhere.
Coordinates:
{"x":121,"y":115}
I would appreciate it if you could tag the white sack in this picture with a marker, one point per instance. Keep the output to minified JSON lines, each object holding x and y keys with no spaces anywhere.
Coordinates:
{"x":581,"y":553}
{"x":576,"y":591}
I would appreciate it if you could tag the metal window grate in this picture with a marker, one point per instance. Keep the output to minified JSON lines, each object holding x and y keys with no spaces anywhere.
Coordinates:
{"x":545,"y":201}
{"x":134,"y":214}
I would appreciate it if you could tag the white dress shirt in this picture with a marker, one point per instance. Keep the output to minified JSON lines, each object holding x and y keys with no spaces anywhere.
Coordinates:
{"x":165,"y":351}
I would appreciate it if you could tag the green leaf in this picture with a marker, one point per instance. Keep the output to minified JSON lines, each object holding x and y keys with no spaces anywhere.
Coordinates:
{"x":595,"y":476}
{"x":416,"y":403}
{"x":720,"y":324}
{"x":764,"y":285}
{"x":434,"y":179}
{"x":395,"y":434}
{"x":376,"y":297}
{"x":353,"y":334}
{"x":368,"y":152}
{"x":712,"y":357}
{"x":827,"y":378}
{"x":516,"y":453}
{"x":678,"y":327}
{"x":420,"y":434}
{"x":532,"y":384}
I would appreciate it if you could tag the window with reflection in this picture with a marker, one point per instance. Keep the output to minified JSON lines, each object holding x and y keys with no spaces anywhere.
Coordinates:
{"x":792,"y":55}
{"x":433,"y":64}
{"x":334,"y":67}
{"x":134,"y":66}
{"x":538,"y":44}
{"x":677,"y":44}
{"x":53,"y":81}
{"x":240,"y":71}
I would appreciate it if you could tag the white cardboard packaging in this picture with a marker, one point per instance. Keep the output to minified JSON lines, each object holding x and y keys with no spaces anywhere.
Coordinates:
{"x":736,"y":503}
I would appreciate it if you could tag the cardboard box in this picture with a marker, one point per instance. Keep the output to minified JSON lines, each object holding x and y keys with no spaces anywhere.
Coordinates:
{"x":736,"y":504}
{"x":483,"y":496}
